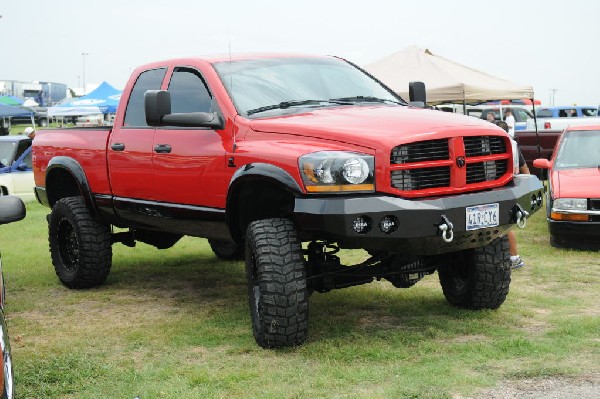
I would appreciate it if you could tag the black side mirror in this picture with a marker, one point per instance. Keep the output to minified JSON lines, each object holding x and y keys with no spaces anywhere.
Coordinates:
{"x":157,"y":104}
{"x":417,"y":94}
{"x":12,"y":209}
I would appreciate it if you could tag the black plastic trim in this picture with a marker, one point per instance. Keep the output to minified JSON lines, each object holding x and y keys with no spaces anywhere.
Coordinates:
{"x":197,"y":221}
{"x":76,"y":171}
{"x":264,"y":171}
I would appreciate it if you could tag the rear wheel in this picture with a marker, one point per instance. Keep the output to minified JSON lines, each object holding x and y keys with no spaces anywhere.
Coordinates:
{"x":227,"y":250}
{"x":277,"y":292}
{"x":478,"y":278}
{"x":80,"y":246}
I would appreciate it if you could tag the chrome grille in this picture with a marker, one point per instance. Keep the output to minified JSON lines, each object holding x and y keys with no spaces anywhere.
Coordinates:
{"x":421,"y":178}
{"x":431,"y":150}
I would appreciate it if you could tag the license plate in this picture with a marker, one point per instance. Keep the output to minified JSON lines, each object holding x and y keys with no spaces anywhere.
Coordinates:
{"x":482,"y":216}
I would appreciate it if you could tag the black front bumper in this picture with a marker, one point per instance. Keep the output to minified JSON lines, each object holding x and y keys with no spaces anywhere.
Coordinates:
{"x":419,"y":220}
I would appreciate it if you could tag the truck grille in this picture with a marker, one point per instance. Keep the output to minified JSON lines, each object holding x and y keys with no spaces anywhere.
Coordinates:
{"x":450,"y":165}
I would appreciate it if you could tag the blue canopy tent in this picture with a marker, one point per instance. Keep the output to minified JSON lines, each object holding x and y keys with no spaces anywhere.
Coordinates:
{"x":103,"y":100}
{"x":7,"y":112}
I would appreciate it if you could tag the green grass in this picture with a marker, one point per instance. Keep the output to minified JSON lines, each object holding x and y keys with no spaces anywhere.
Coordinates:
{"x":175,"y":324}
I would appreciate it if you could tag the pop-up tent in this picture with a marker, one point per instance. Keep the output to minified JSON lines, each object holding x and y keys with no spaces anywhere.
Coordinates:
{"x":445,"y":81}
{"x":8,"y":111}
{"x":103,"y":100}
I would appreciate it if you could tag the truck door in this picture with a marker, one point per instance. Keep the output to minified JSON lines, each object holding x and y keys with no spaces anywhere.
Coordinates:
{"x":188,"y":162}
{"x":130,"y":150}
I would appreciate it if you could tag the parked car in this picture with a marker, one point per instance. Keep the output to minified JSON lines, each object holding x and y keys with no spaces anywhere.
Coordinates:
{"x":12,"y":209}
{"x":566,"y":111}
{"x":521,"y":115}
{"x":16,"y":173}
{"x":573,"y":197}
{"x":40,"y":116}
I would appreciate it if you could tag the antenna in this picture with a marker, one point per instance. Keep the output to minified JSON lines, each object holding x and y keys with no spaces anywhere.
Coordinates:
{"x":234,"y":146}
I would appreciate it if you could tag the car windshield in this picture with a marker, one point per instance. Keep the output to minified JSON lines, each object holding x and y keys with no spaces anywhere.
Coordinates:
{"x":7,"y":152}
{"x":579,"y":149}
{"x":280,"y":84}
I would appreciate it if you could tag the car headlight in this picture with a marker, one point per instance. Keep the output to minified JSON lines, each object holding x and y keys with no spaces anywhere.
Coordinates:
{"x":570,"y":204}
{"x":337,"y":171}
{"x":515,"y":151}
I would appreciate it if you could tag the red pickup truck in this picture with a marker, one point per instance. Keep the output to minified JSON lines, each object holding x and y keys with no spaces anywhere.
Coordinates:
{"x":284,"y":161}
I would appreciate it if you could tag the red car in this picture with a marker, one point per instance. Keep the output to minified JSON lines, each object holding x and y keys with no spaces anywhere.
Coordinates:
{"x":573,"y":201}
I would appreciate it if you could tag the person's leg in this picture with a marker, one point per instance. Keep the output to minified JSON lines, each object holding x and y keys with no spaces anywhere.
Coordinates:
{"x":515,"y":259}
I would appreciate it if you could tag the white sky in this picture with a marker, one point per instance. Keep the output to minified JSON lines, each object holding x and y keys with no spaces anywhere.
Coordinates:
{"x":548,"y":44}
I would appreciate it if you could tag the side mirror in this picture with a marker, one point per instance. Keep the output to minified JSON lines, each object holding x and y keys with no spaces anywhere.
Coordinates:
{"x":12,"y":209}
{"x":157,"y":104}
{"x":416,"y":93}
{"x":542,"y":163}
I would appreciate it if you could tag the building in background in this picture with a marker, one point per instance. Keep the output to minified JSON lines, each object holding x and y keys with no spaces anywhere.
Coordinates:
{"x":44,"y":93}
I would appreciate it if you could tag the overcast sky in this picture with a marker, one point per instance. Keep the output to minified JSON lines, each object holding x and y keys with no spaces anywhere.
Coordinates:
{"x":547,"y":44}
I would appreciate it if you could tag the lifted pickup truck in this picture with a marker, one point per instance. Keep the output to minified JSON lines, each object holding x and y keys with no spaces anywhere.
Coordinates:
{"x":285,"y":160}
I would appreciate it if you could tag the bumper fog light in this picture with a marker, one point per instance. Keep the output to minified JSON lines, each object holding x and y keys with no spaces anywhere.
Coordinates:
{"x":388,"y":224}
{"x":361,"y":224}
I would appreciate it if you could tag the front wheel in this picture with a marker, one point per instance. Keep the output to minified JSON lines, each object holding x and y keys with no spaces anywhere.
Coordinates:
{"x":478,"y":278}
{"x":80,"y":246}
{"x":277,"y":292}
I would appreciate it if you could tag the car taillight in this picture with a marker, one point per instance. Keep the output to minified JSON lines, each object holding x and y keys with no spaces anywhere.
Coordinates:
{"x":547,"y":125}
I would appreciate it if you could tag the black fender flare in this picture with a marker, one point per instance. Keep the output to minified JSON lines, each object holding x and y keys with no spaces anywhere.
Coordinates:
{"x":75,"y":170}
{"x":263,"y":172}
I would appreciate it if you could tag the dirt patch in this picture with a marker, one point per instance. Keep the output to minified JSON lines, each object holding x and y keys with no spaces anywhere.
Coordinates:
{"x":586,"y":387}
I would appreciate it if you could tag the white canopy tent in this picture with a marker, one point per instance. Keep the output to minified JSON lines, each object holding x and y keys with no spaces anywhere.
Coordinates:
{"x":445,"y":81}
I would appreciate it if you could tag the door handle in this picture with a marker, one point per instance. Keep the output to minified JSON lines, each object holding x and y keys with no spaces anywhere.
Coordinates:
{"x":117,"y":146}
{"x":162,"y":148}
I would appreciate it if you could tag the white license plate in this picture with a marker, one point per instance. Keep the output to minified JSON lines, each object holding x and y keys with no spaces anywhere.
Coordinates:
{"x":482,"y":216}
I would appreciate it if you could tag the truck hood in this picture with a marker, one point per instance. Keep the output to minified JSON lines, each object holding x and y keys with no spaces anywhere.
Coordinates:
{"x":371,"y":126}
{"x":577,"y":183}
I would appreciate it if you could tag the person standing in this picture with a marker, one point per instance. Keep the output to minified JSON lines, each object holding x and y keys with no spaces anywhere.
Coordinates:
{"x":510,"y":121}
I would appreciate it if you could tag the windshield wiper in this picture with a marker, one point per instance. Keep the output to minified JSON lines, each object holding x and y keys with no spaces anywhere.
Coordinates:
{"x":295,"y":103}
{"x":365,"y":99}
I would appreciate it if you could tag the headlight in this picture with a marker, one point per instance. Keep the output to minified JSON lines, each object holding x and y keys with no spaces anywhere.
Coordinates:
{"x":570,"y":204}
{"x":337,"y":171}
{"x":515,"y":151}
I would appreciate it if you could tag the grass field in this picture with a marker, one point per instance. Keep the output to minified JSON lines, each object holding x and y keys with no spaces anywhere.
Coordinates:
{"x":175,"y":324}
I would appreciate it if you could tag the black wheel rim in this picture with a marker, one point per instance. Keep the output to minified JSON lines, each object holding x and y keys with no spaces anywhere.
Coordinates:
{"x":68,"y":245}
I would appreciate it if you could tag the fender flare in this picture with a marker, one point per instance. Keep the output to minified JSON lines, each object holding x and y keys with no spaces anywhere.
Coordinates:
{"x":75,"y":170}
{"x":263,"y":172}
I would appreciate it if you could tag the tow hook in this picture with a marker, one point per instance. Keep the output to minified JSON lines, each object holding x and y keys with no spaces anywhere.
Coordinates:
{"x":446,"y":229}
{"x":521,"y":216}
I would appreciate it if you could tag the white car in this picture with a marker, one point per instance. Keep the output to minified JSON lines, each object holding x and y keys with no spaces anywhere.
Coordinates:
{"x":16,"y":173}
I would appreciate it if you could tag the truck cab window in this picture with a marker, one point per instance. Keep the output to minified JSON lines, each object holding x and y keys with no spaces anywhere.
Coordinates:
{"x":189,"y":92}
{"x":135,"y":115}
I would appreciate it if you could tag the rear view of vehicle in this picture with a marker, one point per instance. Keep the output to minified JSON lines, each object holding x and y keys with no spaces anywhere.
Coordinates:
{"x":573,"y":199}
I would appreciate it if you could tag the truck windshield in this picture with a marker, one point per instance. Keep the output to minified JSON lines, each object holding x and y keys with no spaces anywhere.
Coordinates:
{"x":279,"y":85}
{"x":579,"y":149}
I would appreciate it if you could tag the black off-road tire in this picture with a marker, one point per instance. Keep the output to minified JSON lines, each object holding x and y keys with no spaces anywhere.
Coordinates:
{"x":277,"y":292}
{"x":80,"y":246}
{"x":227,"y":250}
{"x":478,"y":278}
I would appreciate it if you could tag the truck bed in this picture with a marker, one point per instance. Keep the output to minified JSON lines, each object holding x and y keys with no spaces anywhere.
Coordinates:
{"x":88,"y":145}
